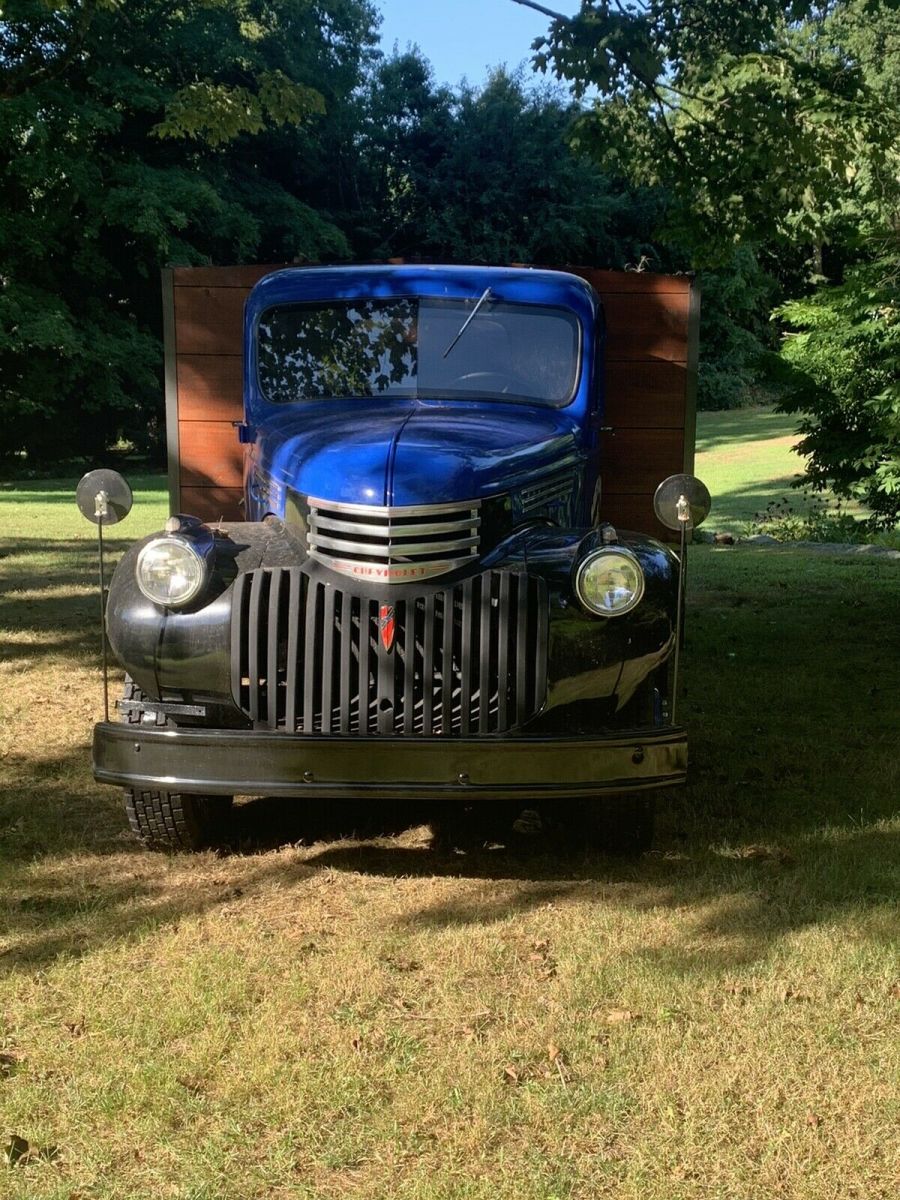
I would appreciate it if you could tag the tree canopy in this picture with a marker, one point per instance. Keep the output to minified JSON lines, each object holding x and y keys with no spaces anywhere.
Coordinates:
{"x":136,"y":134}
{"x":773,"y":126}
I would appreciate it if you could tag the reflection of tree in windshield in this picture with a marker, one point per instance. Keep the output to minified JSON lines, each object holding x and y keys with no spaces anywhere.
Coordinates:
{"x":361,"y":348}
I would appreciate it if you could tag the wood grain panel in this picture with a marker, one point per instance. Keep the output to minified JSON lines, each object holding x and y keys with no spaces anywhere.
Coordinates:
{"x":634,"y":512}
{"x":636,"y":460}
{"x":210,"y":387}
{"x":209,"y":320}
{"x":212,"y":503}
{"x":642,"y":282}
{"x":239,"y":277}
{"x":210,"y":454}
{"x":647,"y":326}
{"x":646,"y":395}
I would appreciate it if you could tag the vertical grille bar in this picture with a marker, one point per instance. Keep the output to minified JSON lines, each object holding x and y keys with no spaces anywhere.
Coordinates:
{"x":465,"y":655}
{"x":292,"y":672}
{"x":310,"y":658}
{"x":485,"y":650}
{"x":503,"y":651}
{"x":362,"y":687}
{"x":255,"y":630}
{"x":427,"y":670}
{"x":447,"y":663}
{"x":238,"y":641}
{"x":346,"y":659}
{"x":521,"y":619}
{"x":409,"y":612}
{"x":272,"y":656}
{"x":540,"y":666}
{"x":327,"y":660}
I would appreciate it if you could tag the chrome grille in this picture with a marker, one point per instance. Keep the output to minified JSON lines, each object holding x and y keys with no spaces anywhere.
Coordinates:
{"x":547,"y":492}
{"x":467,"y":660}
{"x":397,"y":544}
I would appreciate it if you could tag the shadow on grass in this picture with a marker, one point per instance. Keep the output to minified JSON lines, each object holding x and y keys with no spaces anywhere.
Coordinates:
{"x":792,"y":710}
{"x":741,"y":425}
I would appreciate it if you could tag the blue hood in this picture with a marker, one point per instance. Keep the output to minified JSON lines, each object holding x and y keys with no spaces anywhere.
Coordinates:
{"x":415,"y":452}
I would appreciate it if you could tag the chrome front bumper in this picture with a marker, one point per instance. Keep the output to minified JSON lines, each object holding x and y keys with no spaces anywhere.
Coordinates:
{"x":250,"y":763}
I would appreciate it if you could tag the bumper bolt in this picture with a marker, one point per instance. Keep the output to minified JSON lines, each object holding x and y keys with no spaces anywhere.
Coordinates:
{"x":308,"y":777}
{"x":462,"y":777}
{"x":638,"y":756}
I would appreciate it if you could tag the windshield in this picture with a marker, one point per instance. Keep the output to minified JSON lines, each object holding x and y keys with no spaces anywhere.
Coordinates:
{"x":399,"y":347}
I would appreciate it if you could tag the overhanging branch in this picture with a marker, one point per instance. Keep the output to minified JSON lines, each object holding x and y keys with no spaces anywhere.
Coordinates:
{"x":548,"y":12}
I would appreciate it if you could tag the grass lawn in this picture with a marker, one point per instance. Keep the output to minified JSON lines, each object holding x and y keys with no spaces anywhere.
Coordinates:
{"x":746,"y":459}
{"x":325,"y":1016}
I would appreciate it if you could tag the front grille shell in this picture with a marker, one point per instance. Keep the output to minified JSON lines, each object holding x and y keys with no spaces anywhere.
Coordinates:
{"x":393,"y":544}
{"x":466,"y":660}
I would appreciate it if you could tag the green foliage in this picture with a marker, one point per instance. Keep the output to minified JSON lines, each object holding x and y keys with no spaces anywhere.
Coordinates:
{"x":843,"y":348}
{"x":817,"y":520}
{"x":485,"y":174}
{"x":735,"y":333}
{"x":135,"y":135}
{"x":765,"y":121}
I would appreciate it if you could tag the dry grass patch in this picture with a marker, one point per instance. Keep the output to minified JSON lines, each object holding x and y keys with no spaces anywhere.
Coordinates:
{"x":320,"y":1014}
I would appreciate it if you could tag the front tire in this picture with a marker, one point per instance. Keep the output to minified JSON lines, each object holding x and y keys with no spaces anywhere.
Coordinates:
{"x":621,"y":826}
{"x":176,"y":821}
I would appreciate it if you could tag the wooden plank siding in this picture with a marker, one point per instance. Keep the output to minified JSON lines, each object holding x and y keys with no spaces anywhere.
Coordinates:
{"x":650,"y":387}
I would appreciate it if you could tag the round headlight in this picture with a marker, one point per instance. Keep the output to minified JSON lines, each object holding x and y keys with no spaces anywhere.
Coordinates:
{"x":170,"y":571}
{"x":609,"y":582}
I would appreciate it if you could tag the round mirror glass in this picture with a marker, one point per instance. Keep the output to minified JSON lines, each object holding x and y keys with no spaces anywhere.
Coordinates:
{"x":673,"y":493}
{"x":104,"y":497}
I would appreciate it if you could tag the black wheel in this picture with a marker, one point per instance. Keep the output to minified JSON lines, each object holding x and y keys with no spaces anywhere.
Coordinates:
{"x":619,"y":825}
{"x":169,"y":820}
{"x":175,"y":820}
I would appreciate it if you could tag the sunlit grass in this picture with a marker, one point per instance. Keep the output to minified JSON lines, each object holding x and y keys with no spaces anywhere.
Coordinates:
{"x":746,"y":458}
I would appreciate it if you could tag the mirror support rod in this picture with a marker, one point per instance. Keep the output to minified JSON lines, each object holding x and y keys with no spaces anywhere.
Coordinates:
{"x":683,"y":510}
{"x":101,"y":511}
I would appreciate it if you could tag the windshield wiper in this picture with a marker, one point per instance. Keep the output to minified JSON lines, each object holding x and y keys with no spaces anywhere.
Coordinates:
{"x":468,"y":321}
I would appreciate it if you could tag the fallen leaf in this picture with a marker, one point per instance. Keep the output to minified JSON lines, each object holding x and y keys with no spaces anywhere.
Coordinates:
{"x":75,"y":1028}
{"x":15,"y":1149}
{"x":553,"y":1052}
{"x":357,"y":1045}
{"x":813,"y":1120}
{"x":8,"y":1065}
{"x":789,"y":996}
{"x":510,"y":1075}
{"x":894,"y":990}
{"x":617,"y":1015}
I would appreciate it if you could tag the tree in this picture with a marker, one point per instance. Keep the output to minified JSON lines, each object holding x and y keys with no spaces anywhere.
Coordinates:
{"x":775,"y":126}
{"x":140,"y":134}
{"x":766,"y":121}
{"x":487,"y":175}
{"x":843,"y":348}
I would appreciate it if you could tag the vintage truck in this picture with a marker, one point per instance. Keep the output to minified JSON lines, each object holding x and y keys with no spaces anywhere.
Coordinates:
{"x":423,"y":596}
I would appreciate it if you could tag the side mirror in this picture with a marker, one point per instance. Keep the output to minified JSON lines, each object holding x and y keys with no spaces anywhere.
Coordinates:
{"x":682,"y":501}
{"x":103,"y":497}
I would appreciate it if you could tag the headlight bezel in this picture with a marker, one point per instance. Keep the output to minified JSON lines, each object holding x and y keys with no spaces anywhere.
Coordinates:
{"x":196,"y":552}
{"x":597,"y":555}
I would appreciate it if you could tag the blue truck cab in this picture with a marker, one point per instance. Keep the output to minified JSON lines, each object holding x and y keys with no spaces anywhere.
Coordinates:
{"x":423,"y":600}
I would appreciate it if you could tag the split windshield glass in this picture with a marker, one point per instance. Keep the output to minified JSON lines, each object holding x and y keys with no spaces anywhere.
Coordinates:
{"x":366,"y":348}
